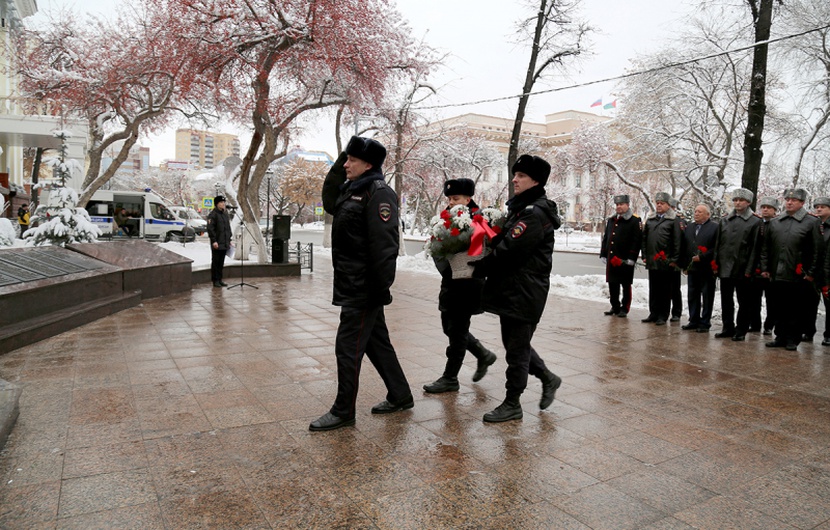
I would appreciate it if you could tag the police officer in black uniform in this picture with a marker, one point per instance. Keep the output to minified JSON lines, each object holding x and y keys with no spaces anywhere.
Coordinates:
{"x":458,"y":300}
{"x":768,"y":208}
{"x":219,"y":232}
{"x":518,"y":280}
{"x":620,"y":248}
{"x":364,"y":239}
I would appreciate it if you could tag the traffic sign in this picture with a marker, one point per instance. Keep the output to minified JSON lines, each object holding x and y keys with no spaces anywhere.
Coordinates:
{"x":207,"y":203}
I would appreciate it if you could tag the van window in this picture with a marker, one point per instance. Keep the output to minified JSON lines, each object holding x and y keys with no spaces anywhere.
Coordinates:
{"x":160,"y":211}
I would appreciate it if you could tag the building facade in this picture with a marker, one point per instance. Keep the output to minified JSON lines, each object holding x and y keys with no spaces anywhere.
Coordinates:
{"x":204,"y":149}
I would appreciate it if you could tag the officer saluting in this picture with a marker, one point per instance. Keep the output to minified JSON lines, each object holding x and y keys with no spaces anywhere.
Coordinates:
{"x":620,"y":248}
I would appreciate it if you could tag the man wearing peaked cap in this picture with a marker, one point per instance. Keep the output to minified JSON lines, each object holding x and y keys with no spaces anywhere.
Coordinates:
{"x":792,"y":257}
{"x":458,"y":300}
{"x":662,"y":240}
{"x":364,"y":252}
{"x":735,"y":263}
{"x":620,"y":249}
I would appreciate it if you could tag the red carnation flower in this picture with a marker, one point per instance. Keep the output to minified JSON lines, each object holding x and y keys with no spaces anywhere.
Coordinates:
{"x":714,"y":267}
{"x":447,"y":223}
{"x":445,"y":214}
{"x":757,"y":271}
{"x":616,"y":261}
{"x":454,"y":232}
{"x":460,"y":213}
{"x":702,"y":250}
{"x":799,"y":269}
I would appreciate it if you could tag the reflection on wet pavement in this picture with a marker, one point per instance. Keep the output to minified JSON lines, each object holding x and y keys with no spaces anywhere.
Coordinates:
{"x":192,"y":412}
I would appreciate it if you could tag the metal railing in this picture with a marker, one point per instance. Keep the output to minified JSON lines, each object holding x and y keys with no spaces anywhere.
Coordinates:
{"x":302,"y":254}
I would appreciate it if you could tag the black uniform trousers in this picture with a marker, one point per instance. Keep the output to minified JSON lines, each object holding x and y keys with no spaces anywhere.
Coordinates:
{"x":456,"y":325}
{"x":614,"y":289}
{"x":729,"y":289}
{"x":813,"y":301}
{"x":363,"y":330}
{"x":521,"y":358}
{"x":217,"y":264}
{"x":791,"y":320}
{"x":676,"y":295}
{"x":701,"y":294}
{"x":761,"y":290}
{"x":659,"y":294}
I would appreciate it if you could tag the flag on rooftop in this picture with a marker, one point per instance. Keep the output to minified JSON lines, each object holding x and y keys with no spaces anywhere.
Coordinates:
{"x":597,"y":103}
{"x":612,"y":105}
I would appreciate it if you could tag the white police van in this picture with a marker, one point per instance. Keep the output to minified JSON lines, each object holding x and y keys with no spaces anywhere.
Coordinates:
{"x":144,"y":215}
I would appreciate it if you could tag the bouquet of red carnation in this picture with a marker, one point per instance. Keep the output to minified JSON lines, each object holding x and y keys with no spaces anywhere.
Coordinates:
{"x":660,"y":256}
{"x":616,"y":261}
{"x":452,"y":230}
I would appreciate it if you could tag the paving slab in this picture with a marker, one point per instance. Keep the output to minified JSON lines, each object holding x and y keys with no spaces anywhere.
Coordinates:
{"x":192,"y":411}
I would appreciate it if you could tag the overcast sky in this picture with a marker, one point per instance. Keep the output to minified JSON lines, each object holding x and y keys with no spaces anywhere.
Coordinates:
{"x":484,"y":63}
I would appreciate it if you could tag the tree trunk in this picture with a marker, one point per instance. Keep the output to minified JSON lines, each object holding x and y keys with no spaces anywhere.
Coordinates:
{"x":753,"y":154}
{"x":513,"y":152}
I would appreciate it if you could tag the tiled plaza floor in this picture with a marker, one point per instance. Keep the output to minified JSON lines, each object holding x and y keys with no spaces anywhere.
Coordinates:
{"x":192,"y":412}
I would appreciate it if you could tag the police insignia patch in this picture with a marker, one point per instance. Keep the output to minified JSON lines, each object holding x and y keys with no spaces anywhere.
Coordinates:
{"x":385,"y":211}
{"x":518,"y":230}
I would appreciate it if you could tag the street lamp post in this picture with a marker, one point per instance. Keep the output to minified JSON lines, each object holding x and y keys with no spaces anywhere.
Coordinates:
{"x":268,"y":174}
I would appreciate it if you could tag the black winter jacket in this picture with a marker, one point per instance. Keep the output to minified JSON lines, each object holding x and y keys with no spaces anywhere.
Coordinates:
{"x":737,"y":252}
{"x":219,"y":228}
{"x":364,"y":236}
{"x":694,"y":241}
{"x":662,"y":235}
{"x":622,"y":239}
{"x":518,"y":269}
{"x":793,"y":247}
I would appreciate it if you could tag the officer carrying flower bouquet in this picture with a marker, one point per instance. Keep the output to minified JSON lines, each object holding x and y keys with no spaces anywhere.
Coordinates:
{"x":459,"y":234}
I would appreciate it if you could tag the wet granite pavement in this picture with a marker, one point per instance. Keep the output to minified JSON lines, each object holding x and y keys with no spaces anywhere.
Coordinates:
{"x":192,"y":412}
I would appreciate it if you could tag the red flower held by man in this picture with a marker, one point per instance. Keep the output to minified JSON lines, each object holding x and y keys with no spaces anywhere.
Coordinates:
{"x":702,"y":249}
{"x":714,"y":267}
{"x":799,"y":269}
{"x":660,"y":256}
{"x":616,"y":261}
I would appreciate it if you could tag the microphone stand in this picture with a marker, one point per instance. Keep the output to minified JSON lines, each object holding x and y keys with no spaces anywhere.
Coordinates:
{"x":242,"y":283}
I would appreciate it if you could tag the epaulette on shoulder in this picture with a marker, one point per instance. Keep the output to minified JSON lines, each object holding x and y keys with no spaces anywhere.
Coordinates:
{"x":529,"y":207}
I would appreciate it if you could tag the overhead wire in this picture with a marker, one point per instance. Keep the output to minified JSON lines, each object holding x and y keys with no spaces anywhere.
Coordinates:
{"x":629,"y":74}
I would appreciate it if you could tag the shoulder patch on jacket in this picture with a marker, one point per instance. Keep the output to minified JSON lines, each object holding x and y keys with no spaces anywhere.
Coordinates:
{"x":518,"y":230}
{"x":385,"y":211}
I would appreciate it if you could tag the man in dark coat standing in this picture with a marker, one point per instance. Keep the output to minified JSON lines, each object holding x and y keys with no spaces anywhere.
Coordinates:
{"x":364,"y":252}
{"x":662,"y":241}
{"x":768,"y":208}
{"x":699,"y":240}
{"x":792,"y":256}
{"x":822,"y":209}
{"x":458,"y":300}
{"x":735,"y":259}
{"x":620,"y":249}
{"x":676,"y":280}
{"x":518,"y":279}
{"x":219,"y":232}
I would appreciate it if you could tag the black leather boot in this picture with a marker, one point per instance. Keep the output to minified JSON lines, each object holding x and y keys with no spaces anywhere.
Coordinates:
{"x":511,"y":409}
{"x":485,"y":358}
{"x":550,"y":383}
{"x":444,"y":384}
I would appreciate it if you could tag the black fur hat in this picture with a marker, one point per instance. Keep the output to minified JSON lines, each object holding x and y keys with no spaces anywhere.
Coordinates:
{"x":534,"y":167}
{"x":459,"y":187}
{"x":368,"y":150}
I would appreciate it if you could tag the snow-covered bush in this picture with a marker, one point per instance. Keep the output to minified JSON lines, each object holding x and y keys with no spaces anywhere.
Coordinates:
{"x":69,"y":224}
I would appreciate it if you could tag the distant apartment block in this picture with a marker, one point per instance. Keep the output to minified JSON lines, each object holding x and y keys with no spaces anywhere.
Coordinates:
{"x":204,"y":149}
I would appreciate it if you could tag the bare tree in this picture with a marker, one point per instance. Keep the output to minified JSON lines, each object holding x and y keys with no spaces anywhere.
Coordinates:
{"x":556,"y":35}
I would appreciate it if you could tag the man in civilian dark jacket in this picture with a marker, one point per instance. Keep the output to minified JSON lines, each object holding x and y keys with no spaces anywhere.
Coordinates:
{"x":699,"y":240}
{"x":735,"y":260}
{"x":364,"y":252}
{"x":458,"y":300}
{"x":219,"y":232}
{"x":518,"y":280}
{"x":822,"y":209}
{"x":662,"y":241}
{"x":768,"y":209}
{"x":620,"y":248}
{"x":792,"y":256}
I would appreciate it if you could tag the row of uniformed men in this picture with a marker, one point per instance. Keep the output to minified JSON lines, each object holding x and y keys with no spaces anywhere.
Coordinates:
{"x":778,"y":256}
